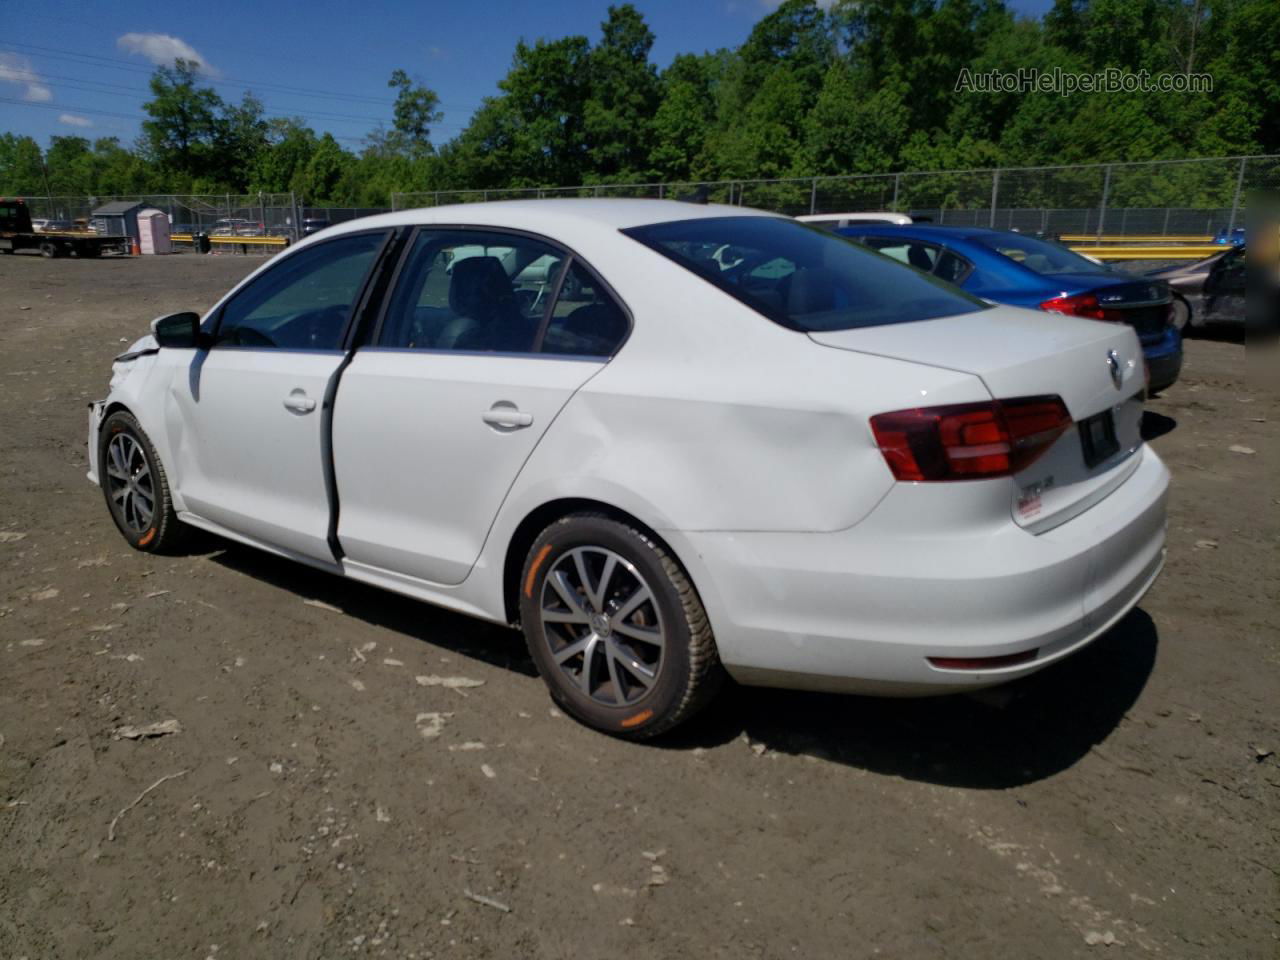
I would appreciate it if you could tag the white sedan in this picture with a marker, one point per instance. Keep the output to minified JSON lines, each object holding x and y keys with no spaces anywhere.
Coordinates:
{"x":801,"y":464}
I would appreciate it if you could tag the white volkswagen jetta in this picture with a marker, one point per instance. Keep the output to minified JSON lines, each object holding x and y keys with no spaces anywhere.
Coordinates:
{"x":668,"y":441}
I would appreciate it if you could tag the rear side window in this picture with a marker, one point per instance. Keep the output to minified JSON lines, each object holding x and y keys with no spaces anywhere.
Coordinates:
{"x":803,"y":278}
{"x":473,"y":290}
{"x":585,"y":321}
{"x":916,"y":253}
{"x":952,"y":268}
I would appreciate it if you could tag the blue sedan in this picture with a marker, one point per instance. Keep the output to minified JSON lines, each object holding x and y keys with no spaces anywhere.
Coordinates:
{"x":1025,"y":271}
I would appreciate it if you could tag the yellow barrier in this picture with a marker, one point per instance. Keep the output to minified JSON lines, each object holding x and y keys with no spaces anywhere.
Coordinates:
{"x":255,"y":241}
{"x":1135,"y":238}
{"x":1151,"y":253}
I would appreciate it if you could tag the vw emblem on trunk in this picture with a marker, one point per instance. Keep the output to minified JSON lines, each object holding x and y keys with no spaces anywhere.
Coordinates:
{"x":1117,"y":373}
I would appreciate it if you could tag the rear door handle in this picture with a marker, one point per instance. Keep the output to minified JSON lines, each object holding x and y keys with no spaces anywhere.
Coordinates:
{"x":506,"y":416}
{"x":299,"y":402}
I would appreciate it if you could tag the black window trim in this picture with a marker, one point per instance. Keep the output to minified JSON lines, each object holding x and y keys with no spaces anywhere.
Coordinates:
{"x":570,"y":256}
{"x":344,"y":341}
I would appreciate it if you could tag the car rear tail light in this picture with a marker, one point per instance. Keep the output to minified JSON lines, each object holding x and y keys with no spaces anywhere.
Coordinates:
{"x":1078,"y":305}
{"x":1086,"y":305}
{"x":970,"y":441}
{"x":983,"y":663}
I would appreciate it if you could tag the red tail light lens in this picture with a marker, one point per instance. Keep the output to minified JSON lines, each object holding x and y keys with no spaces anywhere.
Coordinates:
{"x":969,"y":441}
{"x":1079,"y":305}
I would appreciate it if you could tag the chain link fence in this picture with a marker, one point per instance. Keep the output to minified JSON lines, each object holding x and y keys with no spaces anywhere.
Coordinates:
{"x":253,"y":215}
{"x":1160,"y":198}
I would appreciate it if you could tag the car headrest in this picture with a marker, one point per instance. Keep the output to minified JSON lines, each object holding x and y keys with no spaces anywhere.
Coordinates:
{"x":478,"y":286}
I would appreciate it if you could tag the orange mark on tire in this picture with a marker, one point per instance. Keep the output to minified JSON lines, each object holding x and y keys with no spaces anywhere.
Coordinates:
{"x":533,"y":570}
{"x":148,"y":537}
{"x":636,"y":719}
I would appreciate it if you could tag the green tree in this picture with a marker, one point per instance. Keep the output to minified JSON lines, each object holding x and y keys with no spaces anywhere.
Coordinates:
{"x":417,"y":107}
{"x":289,"y":144}
{"x":180,"y":136}
{"x":21,"y":166}
{"x":623,"y":95}
{"x":684,"y":119}
{"x":318,"y":181}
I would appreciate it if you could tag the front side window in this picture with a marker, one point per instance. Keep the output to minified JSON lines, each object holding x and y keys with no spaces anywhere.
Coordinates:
{"x":800,"y":277}
{"x":302,"y":303}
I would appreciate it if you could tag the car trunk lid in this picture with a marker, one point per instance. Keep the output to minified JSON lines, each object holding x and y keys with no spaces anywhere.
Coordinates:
{"x":1096,"y":368}
{"x":1142,"y":303}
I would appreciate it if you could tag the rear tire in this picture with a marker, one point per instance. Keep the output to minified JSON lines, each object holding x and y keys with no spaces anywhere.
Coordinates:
{"x":616,"y":628}
{"x":135,"y":486}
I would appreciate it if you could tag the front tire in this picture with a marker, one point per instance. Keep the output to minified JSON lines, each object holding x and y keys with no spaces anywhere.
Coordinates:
{"x":616,"y":628}
{"x":135,"y":486}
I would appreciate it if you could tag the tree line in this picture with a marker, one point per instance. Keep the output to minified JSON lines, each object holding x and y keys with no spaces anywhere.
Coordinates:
{"x":861,"y":86}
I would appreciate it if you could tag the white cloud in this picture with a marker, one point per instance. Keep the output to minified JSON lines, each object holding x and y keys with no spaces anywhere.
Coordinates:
{"x":162,"y":49}
{"x":774,"y":4}
{"x":74,"y":120}
{"x":16,"y":69}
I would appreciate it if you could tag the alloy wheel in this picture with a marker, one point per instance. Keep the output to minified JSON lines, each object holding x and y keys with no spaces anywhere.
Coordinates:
{"x":130,"y":483}
{"x":601,"y":622}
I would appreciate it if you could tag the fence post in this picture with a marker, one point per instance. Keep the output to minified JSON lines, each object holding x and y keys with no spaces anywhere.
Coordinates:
{"x":1102,"y":209}
{"x":813,"y":196}
{"x":897,"y":182}
{"x":995,"y":195}
{"x":1235,"y":202}
{"x":1165,"y":231}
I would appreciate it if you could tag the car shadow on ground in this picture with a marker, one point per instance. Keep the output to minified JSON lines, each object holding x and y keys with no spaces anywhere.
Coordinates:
{"x":1156,"y":425}
{"x":466,"y":636}
{"x":1220,"y":330}
{"x":1006,"y":737}
{"x":1010,"y":736}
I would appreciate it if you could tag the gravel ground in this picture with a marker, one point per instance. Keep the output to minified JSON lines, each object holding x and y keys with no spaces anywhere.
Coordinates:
{"x":319,"y":801}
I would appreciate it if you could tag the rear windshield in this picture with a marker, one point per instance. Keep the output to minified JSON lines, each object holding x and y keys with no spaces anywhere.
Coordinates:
{"x":1042,"y":256}
{"x":802,"y":277}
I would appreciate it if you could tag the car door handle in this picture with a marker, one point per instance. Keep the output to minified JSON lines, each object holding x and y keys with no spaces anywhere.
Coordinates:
{"x":506,"y":416}
{"x":299,"y":402}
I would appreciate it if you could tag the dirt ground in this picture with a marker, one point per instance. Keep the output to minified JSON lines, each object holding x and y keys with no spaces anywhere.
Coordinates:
{"x":1123,"y":803}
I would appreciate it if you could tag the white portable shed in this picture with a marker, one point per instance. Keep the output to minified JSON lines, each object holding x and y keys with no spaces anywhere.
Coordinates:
{"x":153,"y":232}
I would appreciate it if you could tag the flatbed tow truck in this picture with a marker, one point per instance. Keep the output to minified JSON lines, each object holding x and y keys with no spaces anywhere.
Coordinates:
{"x":17,"y":233}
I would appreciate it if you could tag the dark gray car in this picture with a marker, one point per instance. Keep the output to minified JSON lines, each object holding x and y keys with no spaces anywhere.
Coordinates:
{"x":1207,"y":291}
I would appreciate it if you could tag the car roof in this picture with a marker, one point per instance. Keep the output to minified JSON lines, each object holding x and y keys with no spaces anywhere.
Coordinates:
{"x":547,"y":214}
{"x":923,"y":230}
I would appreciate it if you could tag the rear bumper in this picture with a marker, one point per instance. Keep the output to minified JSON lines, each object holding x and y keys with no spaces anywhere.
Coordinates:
{"x":1164,"y":360}
{"x":861,"y":610}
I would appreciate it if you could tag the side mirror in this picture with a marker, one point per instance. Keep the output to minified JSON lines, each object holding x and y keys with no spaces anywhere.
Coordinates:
{"x":180,"y":330}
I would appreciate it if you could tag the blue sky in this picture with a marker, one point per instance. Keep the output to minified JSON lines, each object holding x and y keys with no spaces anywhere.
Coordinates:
{"x":81,"y":67}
